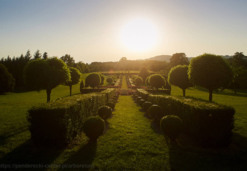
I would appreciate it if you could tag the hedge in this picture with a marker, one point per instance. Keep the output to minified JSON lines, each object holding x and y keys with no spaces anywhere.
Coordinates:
{"x":59,"y":122}
{"x":210,"y":124}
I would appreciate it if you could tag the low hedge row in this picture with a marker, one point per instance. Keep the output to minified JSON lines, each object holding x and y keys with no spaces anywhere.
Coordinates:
{"x":210,"y":124}
{"x":58,"y":123}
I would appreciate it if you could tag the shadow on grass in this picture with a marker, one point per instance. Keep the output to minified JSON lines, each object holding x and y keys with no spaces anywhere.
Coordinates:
{"x":234,"y":157}
{"x":83,"y":158}
{"x":27,"y":153}
{"x":240,"y":93}
{"x":156,"y":127}
{"x":5,"y":136}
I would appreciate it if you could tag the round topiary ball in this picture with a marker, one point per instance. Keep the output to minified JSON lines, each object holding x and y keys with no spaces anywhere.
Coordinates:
{"x":93,"y":127}
{"x":171,"y":126}
{"x":155,"y":112}
{"x":141,"y":102}
{"x":138,"y":99}
{"x":105,"y":112}
{"x":111,"y":105}
{"x":146,"y":105}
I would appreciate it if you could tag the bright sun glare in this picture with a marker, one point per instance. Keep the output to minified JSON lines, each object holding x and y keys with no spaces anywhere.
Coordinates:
{"x":139,"y":35}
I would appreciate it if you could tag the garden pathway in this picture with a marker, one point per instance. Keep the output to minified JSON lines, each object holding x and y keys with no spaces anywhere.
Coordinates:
{"x":130,"y":142}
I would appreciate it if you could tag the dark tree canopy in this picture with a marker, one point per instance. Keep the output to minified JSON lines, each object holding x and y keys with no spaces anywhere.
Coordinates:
{"x":37,"y":55}
{"x":16,"y":67}
{"x":144,"y":73}
{"x":178,"y":59}
{"x":210,"y":71}
{"x":156,"y":81}
{"x":178,"y":76}
{"x":68,"y":60}
{"x":45,"y":55}
{"x":7,"y":81}
{"x":75,"y":78}
{"x":93,"y":80}
{"x":109,"y":80}
{"x":46,"y":74}
{"x":138,"y":81}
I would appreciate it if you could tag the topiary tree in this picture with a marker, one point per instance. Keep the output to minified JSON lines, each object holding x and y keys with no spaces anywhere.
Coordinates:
{"x":93,"y":80}
{"x":46,"y":74}
{"x":171,"y":126}
{"x":93,"y":127}
{"x":178,"y":76}
{"x":109,"y":80}
{"x":210,"y":71}
{"x":138,"y":81}
{"x":156,"y":81}
{"x":81,"y":86}
{"x":144,"y":73}
{"x":155,"y":112}
{"x":146,"y":105}
{"x":7,"y":81}
{"x":105,"y":112}
{"x":75,"y":78}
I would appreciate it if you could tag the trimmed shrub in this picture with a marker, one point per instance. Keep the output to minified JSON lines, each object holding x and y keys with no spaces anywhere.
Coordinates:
{"x":156,"y":81}
{"x":141,"y":102}
{"x":211,"y":72}
{"x":58,"y":123}
{"x":155,"y":112}
{"x":138,"y":81}
{"x":109,"y":80}
{"x":111,"y":105}
{"x":93,"y":80}
{"x":138,"y":99}
{"x":93,"y":127}
{"x":146,"y":105}
{"x":46,"y":74}
{"x":105,"y":112}
{"x":210,"y":124}
{"x":171,"y":126}
{"x":75,"y":78}
{"x":178,"y":76}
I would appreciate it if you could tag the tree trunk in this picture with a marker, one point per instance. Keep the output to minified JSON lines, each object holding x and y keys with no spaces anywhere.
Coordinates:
{"x":48,"y":94}
{"x":210,"y":95}
{"x":184,"y":92}
{"x":70,"y":90}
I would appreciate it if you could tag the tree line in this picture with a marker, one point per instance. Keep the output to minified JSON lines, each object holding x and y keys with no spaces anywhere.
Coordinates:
{"x":16,"y":66}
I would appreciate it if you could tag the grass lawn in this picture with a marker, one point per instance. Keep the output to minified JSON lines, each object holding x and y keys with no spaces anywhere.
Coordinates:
{"x":129,"y":142}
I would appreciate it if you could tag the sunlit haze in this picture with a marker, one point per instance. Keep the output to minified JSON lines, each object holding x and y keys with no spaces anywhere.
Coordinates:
{"x":108,"y":30}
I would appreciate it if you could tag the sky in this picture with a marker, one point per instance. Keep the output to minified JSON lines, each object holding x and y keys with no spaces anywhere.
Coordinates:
{"x":92,"y":30}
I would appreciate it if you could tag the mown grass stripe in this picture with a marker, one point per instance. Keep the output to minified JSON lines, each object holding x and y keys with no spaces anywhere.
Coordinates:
{"x":130,"y":142}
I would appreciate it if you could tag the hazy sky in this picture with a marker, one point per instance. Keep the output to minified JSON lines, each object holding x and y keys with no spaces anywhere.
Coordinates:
{"x":90,"y":30}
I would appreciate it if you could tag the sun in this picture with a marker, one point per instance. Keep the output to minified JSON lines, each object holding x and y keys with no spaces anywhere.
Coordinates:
{"x":139,"y":35}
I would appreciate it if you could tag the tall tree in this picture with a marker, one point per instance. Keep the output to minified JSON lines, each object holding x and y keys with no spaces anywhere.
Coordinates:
{"x":178,"y":59}
{"x":144,"y":73}
{"x":28,"y":55}
{"x":7,"y":81}
{"x":46,"y":74}
{"x":37,"y":55}
{"x":75,"y":78}
{"x":178,"y":76}
{"x":68,"y":60}
{"x":210,"y":71}
{"x":45,"y":55}
{"x":156,"y":81}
